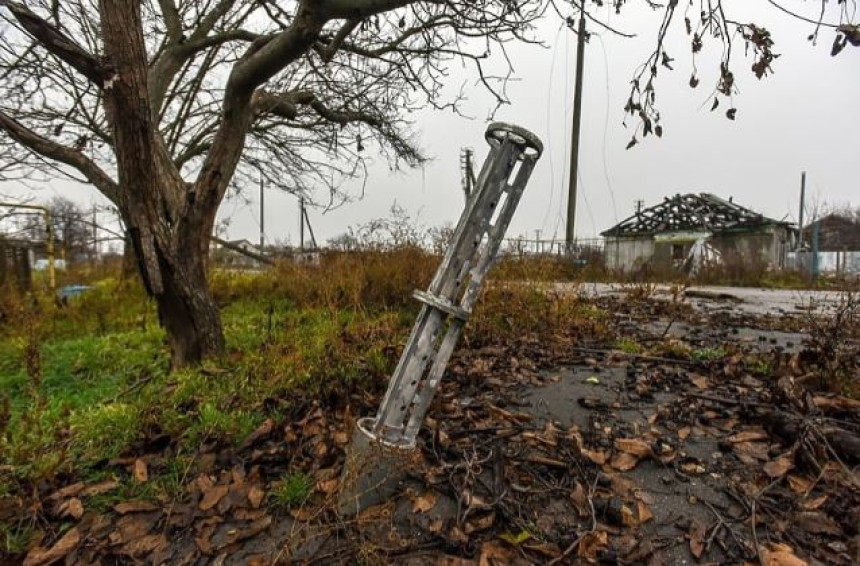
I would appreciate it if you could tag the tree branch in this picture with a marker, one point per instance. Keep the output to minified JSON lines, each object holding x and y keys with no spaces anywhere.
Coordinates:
{"x":356,"y":9}
{"x":61,"y":153}
{"x":56,"y":42}
{"x":172,"y":19}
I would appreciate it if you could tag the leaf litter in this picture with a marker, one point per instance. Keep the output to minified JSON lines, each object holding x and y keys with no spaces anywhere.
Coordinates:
{"x":655,"y":461}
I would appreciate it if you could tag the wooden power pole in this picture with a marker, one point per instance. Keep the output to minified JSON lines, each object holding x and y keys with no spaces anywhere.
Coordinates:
{"x":800,"y":212}
{"x":262,"y":214}
{"x":574,"y":136}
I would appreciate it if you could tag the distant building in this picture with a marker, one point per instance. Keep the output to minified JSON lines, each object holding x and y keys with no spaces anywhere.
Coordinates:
{"x":836,"y":233}
{"x":838,"y":245}
{"x":16,"y":261}
{"x":685,"y":231}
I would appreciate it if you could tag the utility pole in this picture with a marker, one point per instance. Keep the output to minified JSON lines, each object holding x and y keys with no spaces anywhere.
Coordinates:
{"x":310,"y":228}
{"x":639,"y":203}
{"x":302,"y":223}
{"x":574,"y":134}
{"x":95,"y":234}
{"x":262,"y":215}
{"x":802,"y":206}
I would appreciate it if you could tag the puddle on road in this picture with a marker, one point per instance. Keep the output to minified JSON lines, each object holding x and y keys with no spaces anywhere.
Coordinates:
{"x":674,"y":498}
{"x":763,"y":340}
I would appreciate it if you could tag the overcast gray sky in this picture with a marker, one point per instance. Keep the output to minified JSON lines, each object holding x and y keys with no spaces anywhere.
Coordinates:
{"x":805,"y":116}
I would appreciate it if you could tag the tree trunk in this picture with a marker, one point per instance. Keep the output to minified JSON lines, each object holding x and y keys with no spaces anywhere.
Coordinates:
{"x":177,"y":282}
{"x":169,"y":230}
{"x":187,"y":310}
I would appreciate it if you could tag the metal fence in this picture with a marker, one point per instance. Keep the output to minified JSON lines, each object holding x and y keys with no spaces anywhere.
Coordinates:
{"x":828,"y":263}
{"x":585,"y":250}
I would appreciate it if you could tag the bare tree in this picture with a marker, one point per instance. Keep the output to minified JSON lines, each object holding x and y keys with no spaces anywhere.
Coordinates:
{"x":161,"y":105}
{"x":72,"y":229}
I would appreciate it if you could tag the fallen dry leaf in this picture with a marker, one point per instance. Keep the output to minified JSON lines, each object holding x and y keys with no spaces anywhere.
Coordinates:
{"x":684,"y":432}
{"x":265,"y":428}
{"x":624,"y":461}
{"x":836,"y":402}
{"x":328,"y":486}
{"x":72,"y":508}
{"x":780,"y":555}
{"x":494,"y":553}
{"x":480,"y":523}
{"x":753,"y":450}
{"x":780,"y":466}
{"x":132,"y":527}
{"x":43,"y":556}
{"x":636,"y":446}
{"x":693,"y":467}
{"x":134,"y":507}
{"x":68,"y":491}
{"x":140,"y":472}
{"x":100,"y":488}
{"x":799,"y":484}
{"x":697,"y":538}
{"x":592,"y":543}
{"x":628,"y":518}
{"x":212,"y":496}
{"x":751,"y":435}
{"x":645,"y":514}
{"x":817,"y":522}
{"x":599,"y":457}
{"x":145,"y":545}
{"x":340,"y":438}
{"x":453,"y":561}
{"x":700,"y":381}
{"x":813,"y":504}
{"x":424,"y":503}
{"x":256,"y":495}
{"x":580,"y":500}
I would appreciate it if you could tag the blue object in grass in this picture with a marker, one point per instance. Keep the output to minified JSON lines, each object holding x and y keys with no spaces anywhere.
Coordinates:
{"x":71,"y":291}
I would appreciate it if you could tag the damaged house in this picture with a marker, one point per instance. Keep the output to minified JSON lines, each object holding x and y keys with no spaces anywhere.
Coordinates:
{"x":686,"y":231}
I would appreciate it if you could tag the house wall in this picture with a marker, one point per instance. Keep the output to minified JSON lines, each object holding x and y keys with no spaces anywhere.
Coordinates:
{"x":627,"y":254}
{"x":762,"y":249}
{"x":765,"y":249}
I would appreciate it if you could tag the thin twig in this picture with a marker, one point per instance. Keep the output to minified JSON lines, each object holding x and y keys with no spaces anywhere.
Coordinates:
{"x":578,"y":539}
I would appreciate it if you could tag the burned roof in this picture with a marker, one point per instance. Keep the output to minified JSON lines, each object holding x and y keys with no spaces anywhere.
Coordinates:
{"x":691,"y":212}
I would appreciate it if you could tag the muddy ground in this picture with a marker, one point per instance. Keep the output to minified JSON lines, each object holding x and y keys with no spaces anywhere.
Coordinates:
{"x":699,"y":433}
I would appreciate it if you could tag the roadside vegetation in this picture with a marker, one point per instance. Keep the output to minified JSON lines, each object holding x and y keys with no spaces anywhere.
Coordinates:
{"x":89,"y":397}
{"x":87,"y":382}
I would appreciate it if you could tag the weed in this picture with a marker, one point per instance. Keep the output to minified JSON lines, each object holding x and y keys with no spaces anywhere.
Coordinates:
{"x":758,"y":366}
{"x":672,"y":349}
{"x":836,"y":342}
{"x":14,"y":538}
{"x":629,"y":346}
{"x":105,"y":430}
{"x":708,"y":354}
{"x":291,"y":490}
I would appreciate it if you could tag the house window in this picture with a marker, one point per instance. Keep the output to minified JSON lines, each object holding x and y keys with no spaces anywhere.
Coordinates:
{"x":678,"y":252}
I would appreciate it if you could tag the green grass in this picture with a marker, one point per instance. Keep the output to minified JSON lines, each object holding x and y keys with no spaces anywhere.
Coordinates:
{"x":708,"y":354}
{"x":14,"y":539}
{"x":90,"y":381}
{"x":291,"y":490}
{"x":629,"y":346}
{"x":100,"y":392}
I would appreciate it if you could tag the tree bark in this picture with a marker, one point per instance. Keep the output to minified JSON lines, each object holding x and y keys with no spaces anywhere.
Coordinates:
{"x":168,"y":229}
